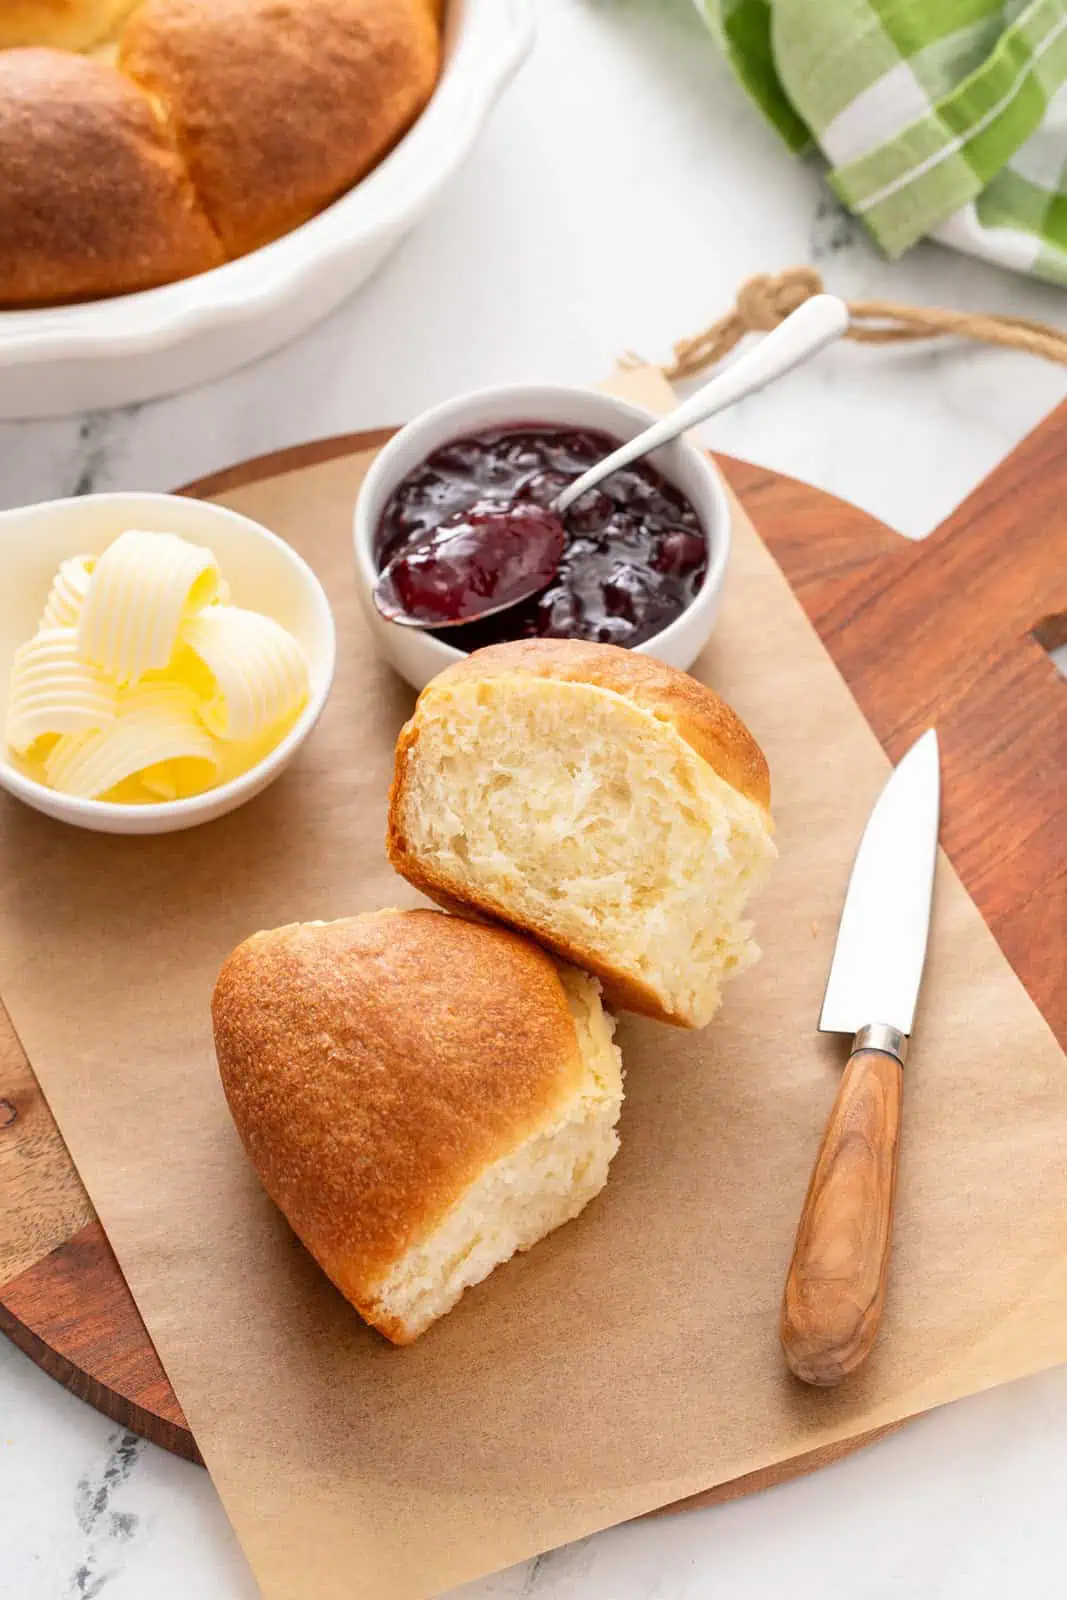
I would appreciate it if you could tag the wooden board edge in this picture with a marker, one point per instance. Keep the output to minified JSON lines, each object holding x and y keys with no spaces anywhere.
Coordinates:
{"x":67,"y":1347}
{"x":782,"y":1472}
{"x":127,"y":1413}
{"x":277,"y":462}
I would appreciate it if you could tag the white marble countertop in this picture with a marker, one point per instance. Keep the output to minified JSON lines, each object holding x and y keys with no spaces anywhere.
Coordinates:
{"x":623,"y":190}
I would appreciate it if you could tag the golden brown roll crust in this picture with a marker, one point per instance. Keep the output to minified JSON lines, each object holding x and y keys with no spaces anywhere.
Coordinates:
{"x":704,"y":721}
{"x":62,"y":24}
{"x":94,"y":197}
{"x":361,"y":1060}
{"x":279,"y":106}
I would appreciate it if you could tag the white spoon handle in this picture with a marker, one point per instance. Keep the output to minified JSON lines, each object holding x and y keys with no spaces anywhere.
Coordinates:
{"x":814,"y":325}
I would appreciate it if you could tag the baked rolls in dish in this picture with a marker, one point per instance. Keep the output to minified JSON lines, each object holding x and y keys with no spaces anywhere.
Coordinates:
{"x":143,"y":141}
{"x":421,"y":1096}
{"x":607,"y":805}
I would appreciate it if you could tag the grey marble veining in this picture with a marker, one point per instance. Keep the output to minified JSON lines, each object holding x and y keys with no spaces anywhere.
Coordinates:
{"x":623,"y":191}
{"x":106,"y":1530}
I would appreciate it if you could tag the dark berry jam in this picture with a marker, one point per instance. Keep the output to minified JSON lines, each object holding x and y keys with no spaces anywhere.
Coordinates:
{"x":634,"y":553}
{"x":489,"y":556}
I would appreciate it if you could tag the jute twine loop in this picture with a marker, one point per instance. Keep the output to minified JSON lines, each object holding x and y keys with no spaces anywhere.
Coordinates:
{"x":765,"y":301}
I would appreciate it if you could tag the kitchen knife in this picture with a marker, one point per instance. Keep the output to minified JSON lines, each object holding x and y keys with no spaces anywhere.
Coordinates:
{"x":836,"y":1285}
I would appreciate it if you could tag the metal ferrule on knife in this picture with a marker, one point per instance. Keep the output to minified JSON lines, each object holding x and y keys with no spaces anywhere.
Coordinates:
{"x":882,"y":1036}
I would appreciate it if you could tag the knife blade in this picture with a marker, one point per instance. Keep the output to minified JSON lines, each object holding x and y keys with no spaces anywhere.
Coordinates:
{"x":835,"y":1288}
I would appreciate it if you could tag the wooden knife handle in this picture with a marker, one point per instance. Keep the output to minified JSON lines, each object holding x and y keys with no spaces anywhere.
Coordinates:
{"x":836,"y":1285}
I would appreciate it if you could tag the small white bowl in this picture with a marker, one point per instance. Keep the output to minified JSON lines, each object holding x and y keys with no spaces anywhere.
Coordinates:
{"x":417,"y":655}
{"x":263,"y":573}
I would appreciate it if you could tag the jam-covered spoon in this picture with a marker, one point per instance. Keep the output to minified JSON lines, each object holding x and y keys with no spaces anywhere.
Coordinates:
{"x":475,"y":563}
{"x":497,"y":553}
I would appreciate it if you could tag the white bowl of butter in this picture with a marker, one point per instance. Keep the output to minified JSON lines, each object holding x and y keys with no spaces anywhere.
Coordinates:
{"x":162,"y":659}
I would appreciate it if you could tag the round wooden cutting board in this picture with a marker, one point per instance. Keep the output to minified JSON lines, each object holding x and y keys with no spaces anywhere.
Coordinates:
{"x":954,"y":629}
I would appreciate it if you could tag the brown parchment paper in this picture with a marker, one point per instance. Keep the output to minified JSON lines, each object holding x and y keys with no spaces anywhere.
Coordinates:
{"x":632,"y":1358}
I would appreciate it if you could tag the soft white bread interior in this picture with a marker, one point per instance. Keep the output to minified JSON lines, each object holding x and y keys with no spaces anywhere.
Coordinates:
{"x":422,"y":1096}
{"x":544,"y":1181}
{"x":608,"y":805}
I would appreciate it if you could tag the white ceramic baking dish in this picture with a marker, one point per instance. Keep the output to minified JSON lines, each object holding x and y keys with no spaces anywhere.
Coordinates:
{"x":114,"y":352}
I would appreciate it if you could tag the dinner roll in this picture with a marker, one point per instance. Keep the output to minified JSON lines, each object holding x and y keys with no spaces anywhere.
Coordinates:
{"x":279,"y":106}
{"x":421,"y":1095}
{"x":609,"y":805}
{"x":94,"y":195}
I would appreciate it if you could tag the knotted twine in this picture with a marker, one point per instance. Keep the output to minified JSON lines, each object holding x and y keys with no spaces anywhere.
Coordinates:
{"x":765,"y":301}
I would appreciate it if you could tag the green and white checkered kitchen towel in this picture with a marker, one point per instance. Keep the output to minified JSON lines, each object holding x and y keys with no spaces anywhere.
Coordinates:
{"x":945,"y":118}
